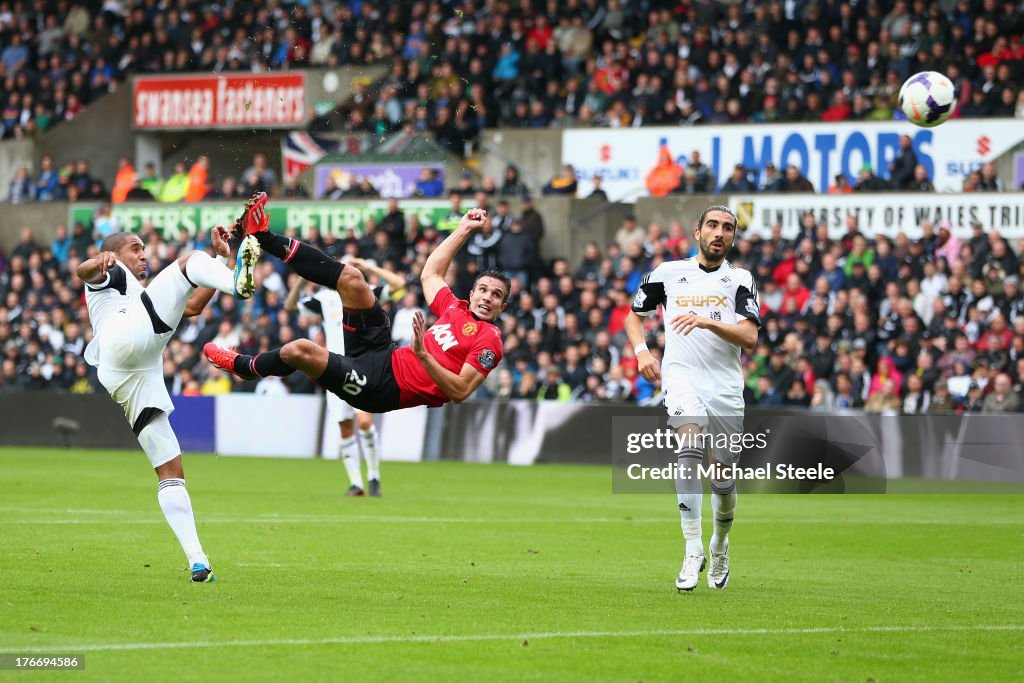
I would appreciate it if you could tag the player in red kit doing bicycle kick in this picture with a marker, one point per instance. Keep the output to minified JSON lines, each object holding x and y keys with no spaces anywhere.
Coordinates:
{"x":446,"y":362}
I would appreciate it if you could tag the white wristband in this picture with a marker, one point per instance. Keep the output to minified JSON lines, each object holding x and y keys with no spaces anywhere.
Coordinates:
{"x":221,"y":259}
{"x":638,"y":348}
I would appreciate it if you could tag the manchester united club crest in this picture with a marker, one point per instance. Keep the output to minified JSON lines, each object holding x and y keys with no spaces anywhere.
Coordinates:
{"x":469,"y":329}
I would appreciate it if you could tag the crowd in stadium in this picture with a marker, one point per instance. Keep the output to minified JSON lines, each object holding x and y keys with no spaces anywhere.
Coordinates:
{"x":864,"y":322}
{"x":892,"y":326}
{"x":459,"y":67}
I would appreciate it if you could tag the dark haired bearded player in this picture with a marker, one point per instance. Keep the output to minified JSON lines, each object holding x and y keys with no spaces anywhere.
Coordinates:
{"x":133,"y":324}
{"x":712,"y":309}
{"x":446,"y":362}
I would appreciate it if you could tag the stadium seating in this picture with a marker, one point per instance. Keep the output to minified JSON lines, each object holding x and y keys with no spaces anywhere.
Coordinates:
{"x":530,"y":64}
{"x":835,"y":334}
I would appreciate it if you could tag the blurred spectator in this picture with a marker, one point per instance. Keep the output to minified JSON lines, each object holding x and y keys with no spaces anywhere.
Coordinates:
{"x":841,"y":186}
{"x":293,"y":190}
{"x":920,"y":181}
{"x":738,"y":182}
{"x":138,"y":193}
{"x":175,"y":187}
{"x":26,"y":245}
{"x":564,"y":184}
{"x":902,"y":168}
{"x":198,"y":180}
{"x":429,"y":183}
{"x":885,"y":400}
{"x":773,"y":180}
{"x":150,"y":181}
{"x":796,"y":182}
{"x":124,"y":180}
{"x":21,"y":189}
{"x":60,"y":247}
{"x":630,"y":232}
{"x":990,"y":181}
{"x":259,"y":177}
{"x":703,"y":181}
{"x":869,"y":182}
{"x":597,"y":192}
{"x":47,"y":183}
{"x":517,"y":253}
{"x":553,"y":388}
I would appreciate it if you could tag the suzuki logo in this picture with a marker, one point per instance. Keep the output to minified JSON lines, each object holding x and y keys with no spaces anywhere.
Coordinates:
{"x":984,"y":145}
{"x":605,"y":153}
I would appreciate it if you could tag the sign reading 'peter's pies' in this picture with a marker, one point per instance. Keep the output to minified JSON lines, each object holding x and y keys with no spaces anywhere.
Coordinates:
{"x":190,"y":102}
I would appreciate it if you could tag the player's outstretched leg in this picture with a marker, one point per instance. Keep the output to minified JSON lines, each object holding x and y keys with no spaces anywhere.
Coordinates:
{"x":301,"y":354}
{"x":201,"y":270}
{"x":368,"y":435}
{"x":309,"y":262}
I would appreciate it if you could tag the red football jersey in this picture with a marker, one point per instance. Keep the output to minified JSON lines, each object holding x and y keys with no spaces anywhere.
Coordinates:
{"x":457,"y":338}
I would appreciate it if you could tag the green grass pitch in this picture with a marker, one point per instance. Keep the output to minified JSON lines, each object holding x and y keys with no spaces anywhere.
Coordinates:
{"x":490,"y":572}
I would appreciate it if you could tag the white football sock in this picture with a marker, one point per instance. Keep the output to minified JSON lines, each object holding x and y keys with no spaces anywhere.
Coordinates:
{"x":690,"y":498}
{"x":369,"y":438}
{"x":349,"y":452}
{"x":177,"y":508}
{"x":723,"y":505}
{"x":204,"y":271}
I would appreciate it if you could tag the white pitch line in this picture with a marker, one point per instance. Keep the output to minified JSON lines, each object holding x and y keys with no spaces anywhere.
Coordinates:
{"x":77,"y":511}
{"x":373,"y":640}
{"x":342,"y":518}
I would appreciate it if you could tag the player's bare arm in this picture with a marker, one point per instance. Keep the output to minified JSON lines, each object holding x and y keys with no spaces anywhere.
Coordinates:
{"x":394,"y":280}
{"x":432,"y":277}
{"x":742,"y":333}
{"x":647,"y":364}
{"x":202,"y":296}
{"x":456,"y":387}
{"x":291,"y":302}
{"x":94,"y":270}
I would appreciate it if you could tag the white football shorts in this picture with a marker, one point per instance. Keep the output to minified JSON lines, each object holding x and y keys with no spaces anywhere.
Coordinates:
{"x":131,"y":358}
{"x":158,"y":441}
{"x":338,"y":410}
{"x":716,"y":414}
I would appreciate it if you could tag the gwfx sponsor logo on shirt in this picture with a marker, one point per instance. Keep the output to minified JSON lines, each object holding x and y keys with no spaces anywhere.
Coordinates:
{"x":701,"y":300}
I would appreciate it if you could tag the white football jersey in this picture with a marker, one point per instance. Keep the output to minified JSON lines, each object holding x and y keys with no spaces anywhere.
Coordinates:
{"x":112,"y":303}
{"x":728,"y":294}
{"x":327,"y":304}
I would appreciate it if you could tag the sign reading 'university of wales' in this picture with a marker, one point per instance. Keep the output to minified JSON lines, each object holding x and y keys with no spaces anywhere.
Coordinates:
{"x":888,"y":213}
{"x":337,"y":218}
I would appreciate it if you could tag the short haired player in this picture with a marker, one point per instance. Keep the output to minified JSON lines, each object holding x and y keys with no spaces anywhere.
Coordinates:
{"x":713,"y":313}
{"x":446,"y":362}
{"x":132,"y":324}
{"x":326,"y":304}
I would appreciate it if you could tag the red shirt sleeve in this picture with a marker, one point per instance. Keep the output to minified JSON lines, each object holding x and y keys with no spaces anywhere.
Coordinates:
{"x":443,"y":301}
{"x":486,"y":353}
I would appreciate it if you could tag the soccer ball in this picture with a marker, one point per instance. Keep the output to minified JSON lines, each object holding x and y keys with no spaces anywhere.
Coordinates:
{"x":928,"y":99}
